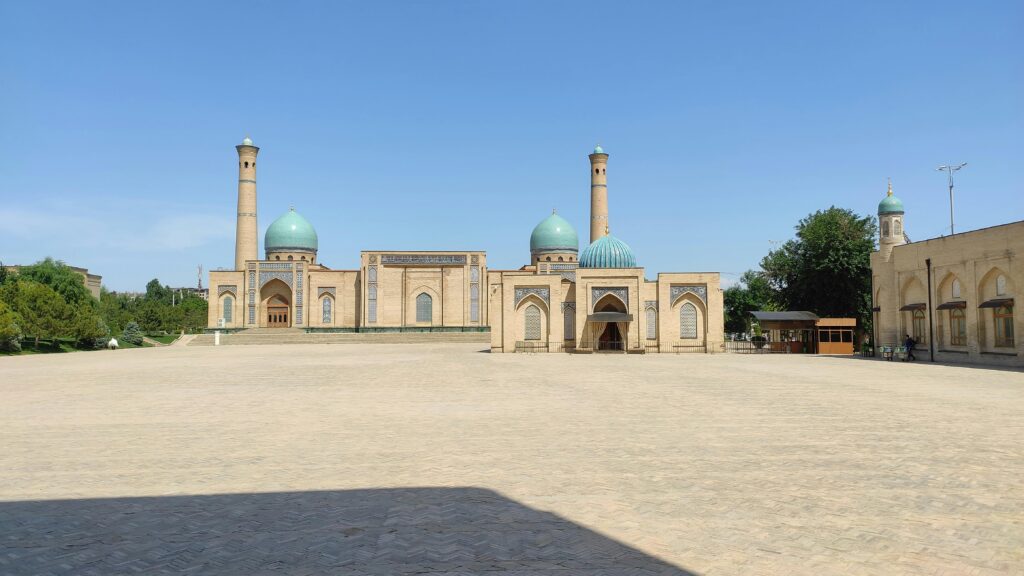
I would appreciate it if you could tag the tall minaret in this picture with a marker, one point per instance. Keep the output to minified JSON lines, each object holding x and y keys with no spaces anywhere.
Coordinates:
{"x":598,"y":194}
{"x":246,"y":239}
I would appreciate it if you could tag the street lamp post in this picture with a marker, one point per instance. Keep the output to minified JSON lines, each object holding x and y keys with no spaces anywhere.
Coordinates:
{"x":949,"y":168}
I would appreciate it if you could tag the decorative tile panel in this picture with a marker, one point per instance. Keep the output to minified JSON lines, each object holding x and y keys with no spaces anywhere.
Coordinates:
{"x":474,"y":293}
{"x":543,"y":293}
{"x":326,"y":290}
{"x":651,"y":304}
{"x":275,"y":266}
{"x":233,"y":288}
{"x":298,"y":294}
{"x":443,"y":259}
{"x":371,"y":290}
{"x":252,"y":294}
{"x":700,"y":291}
{"x":596,"y":293}
{"x":265,"y":277}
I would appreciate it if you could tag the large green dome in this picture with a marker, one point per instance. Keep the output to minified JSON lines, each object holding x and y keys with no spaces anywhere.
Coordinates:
{"x":607,"y":252}
{"x":554,"y":234}
{"x":290,"y":232}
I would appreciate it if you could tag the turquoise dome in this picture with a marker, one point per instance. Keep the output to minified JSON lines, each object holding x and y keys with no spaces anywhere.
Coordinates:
{"x":598,"y":149}
{"x":554,"y":234}
{"x":247,"y":141}
{"x":290,"y":232}
{"x":890,"y":205}
{"x":607,"y":252}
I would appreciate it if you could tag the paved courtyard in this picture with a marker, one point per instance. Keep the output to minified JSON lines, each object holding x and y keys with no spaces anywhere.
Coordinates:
{"x":418,"y":459}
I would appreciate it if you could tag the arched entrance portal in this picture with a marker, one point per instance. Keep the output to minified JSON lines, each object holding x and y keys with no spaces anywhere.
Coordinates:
{"x":610,"y":322}
{"x":275,"y":303}
{"x":277,"y":313}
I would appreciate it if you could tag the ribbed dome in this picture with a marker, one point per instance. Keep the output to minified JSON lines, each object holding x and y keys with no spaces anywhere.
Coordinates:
{"x":607,"y":252}
{"x":290,"y":232}
{"x":890,"y":204}
{"x":554,"y":234}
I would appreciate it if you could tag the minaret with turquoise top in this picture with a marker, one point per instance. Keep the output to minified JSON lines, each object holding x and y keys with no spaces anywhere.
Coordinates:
{"x":246,"y":233}
{"x":598,"y":193}
{"x":890,"y":220}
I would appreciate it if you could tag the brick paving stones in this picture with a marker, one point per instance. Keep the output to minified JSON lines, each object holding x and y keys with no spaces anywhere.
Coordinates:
{"x":439,"y":459}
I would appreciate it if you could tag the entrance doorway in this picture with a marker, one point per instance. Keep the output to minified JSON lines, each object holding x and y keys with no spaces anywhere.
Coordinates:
{"x":277,"y":314}
{"x":611,"y":338}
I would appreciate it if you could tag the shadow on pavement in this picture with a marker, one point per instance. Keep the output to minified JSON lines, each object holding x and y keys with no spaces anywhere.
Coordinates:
{"x":436,"y":531}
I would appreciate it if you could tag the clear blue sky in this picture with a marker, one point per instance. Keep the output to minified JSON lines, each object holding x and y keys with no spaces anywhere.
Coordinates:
{"x":459,"y":125}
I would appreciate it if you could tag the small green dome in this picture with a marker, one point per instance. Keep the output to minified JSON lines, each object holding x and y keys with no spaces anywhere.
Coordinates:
{"x":290,"y":232}
{"x":598,"y":149}
{"x":246,"y":141}
{"x":607,"y":252}
{"x":554,"y":234}
{"x":890,"y":204}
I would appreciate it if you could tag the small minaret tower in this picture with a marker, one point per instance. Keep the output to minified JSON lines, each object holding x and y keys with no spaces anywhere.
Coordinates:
{"x":246,"y":237}
{"x":890,"y":224}
{"x":598,"y":194}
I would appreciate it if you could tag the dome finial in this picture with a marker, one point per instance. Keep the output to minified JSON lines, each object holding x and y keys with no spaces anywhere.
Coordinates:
{"x":291,"y":207}
{"x":606,"y":231}
{"x":554,"y":210}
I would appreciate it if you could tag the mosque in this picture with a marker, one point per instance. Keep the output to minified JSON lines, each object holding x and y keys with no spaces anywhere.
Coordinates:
{"x":564,"y":300}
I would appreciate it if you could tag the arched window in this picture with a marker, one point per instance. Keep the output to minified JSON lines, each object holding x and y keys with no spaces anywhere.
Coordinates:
{"x":652,"y":324}
{"x":897,"y":228}
{"x":277,"y":257}
{"x":956,"y":288}
{"x":1003,"y":317}
{"x":246,"y":164}
{"x":885,"y":228}
{"x":373,"y":274}
{"x":227,"y":309}
{"x":687,"y":321}
{"x":569,"y":323}
{"x":290,"y":257}
{"x":326,"y":307}
{"x":1001,"y":285}
{"x":424,"y":308}
{"x":532,"y":322}
{"x":957,"y":327}
{"x":560,"y":259}
{"x":917,"y":318}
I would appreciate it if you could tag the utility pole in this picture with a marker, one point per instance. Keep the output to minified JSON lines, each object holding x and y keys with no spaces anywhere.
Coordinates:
{"x":951,"y":169}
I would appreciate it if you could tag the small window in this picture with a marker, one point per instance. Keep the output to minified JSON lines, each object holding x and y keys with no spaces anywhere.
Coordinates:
{"x":688,"y":321}
{"x":560,"y":259}
{"x":885,"y":228}
{"x":956,"y":288}
{"x":569,"y":323}
{"x":227,"y":311}
{"x":246,"y":164}
{"x":597,"y":170}
{"x":326,"y":307}
{"x":1003,"y":317}
{"x":303,"y":258}
{"x":918,"y":323}
{"x":847,"y":335}
{"x":290,"y":257}
{"x":424,"y":308}
{"x":532,"y":322}
{"x":652,"y":324}
{"x":957,"y":327}
{"x":277,"y":257}
{"x":1001,"y":285}
{"x":897,"y":228}
{"x":549,"y":258}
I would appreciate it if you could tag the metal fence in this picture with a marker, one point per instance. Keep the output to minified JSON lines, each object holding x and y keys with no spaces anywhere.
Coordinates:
{"x":690,"y":348}
{"x":748,"y":347}
{"x":531,"y":347}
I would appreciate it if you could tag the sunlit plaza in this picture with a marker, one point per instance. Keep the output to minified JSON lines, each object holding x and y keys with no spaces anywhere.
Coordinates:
{"x":442,"y":459}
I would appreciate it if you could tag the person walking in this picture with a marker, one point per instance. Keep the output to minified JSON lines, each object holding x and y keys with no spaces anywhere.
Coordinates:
{"x":909,"y":344}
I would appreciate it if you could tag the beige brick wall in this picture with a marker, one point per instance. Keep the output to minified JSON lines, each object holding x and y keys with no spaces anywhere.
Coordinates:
{"x":975,"y":259}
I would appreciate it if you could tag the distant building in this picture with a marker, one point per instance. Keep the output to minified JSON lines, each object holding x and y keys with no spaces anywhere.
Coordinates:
{"x":955,"y":293}
{"x":93,"y":282}
{"x":566,"y":299}
{"x":203,"y":293}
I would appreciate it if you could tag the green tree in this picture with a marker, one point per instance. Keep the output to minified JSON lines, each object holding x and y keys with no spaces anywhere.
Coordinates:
{"x":10,"y":329}
{"x":752,"y":293}
{"x":60,"y":277}
{"x":88,"y":328}
{"x":43,"y":312}
{"x":157,"y":292}
{"x":132,"y":334}
{"x":826,"y":269}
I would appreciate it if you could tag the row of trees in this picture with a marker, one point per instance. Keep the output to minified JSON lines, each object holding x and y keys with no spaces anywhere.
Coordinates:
{"x":49,"y":301}
{"x":825,"y":269}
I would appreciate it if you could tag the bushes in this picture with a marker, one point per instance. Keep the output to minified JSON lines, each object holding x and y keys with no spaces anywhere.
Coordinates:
{"x":132,"y":334}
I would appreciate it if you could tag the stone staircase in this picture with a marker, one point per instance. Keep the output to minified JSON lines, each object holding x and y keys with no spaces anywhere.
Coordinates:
{"x":257,"y":336}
